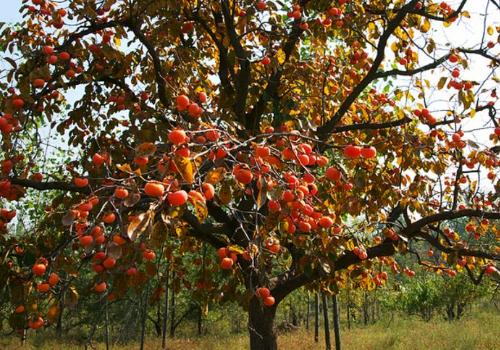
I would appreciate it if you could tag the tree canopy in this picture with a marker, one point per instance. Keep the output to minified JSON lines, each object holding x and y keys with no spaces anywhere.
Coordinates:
{"x":307,"y":142}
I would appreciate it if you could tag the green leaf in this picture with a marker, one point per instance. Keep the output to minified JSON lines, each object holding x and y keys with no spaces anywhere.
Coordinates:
{"x":442,"y":82}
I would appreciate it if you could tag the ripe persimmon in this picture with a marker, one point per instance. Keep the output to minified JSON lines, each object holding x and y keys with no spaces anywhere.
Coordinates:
{"x":177,"y":198}
{"x":154,"y":189}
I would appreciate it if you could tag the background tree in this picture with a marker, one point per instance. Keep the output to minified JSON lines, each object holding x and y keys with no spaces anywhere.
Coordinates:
{"x":281,"y":134}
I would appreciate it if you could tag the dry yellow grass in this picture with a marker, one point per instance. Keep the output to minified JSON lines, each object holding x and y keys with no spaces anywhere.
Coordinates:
{"x":480,"y":332}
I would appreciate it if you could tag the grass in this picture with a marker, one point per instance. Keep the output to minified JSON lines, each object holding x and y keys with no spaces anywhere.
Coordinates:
{"x":477,"y":332}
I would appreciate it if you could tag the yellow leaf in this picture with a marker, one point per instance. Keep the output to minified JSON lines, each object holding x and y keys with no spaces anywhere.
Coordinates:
{"x":281,"y":56}
{"x":125,"y":168}
{"x":236,"y":249}
{"x":350,"y":245}
{"x":118,"y":41}
{"x":180,"y":231}
{"x":394,"y":47}
{"x":489,"y":30}
{"x":215,"y":176}
{"x":184,"y":167}
{"x":425,"y":26}
{"x":201,"y":211}
{"x":369,"y":284}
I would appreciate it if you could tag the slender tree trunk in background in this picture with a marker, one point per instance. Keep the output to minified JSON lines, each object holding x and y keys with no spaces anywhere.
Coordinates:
{"x":91,"y":335}
{"x":293,"y":315}
{"x":23,"y":337}
{"x":165,"y":313}
{"x":237,"y":326}
{"x":158,"y":320}
{"x":378,"y":310}
{"x":106,"y":325}
{"x":365,"y":309}
{"x":316,"y":317}
{"x":261,"y":326}
{"x":326,"y":323}
{"x":348,"y":309}
{"x":373,"y":308}
{"x":460,"y":310}
{"x":450,"y":310}
{"x":60,"y":316}
{"x":143,"y":318}
{"x":308,"y":311}
{"x":336,"y":321}
{"x":172,"y":309}
{"x":200,"y":321}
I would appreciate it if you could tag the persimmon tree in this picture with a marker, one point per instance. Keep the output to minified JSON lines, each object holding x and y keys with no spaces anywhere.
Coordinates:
{"x":308,"y":142}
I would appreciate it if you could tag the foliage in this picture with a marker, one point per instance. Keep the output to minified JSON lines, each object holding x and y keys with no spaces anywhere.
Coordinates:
{"x":238,"y":145}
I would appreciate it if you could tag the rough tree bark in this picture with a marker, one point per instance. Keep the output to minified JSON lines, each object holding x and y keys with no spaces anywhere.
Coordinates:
{"x":348,"y":309}
{"x":200,"y":321}
{"x":336,"y":321}
{"x":165,"y":312}
{"x":261,"y":328}
{"x":308,"y":312}
{"x":172,"y":310}
{"x":365,"y":309}
{"x":144,"y":312}
{"x":106,"y":321}
{"x":60,"y":317}
{"x":326,"y":323}
{"x":316,"y":318}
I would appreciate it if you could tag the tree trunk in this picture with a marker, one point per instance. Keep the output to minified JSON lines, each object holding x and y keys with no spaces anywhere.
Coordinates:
{"x":144,"y":309}
{"x":293,"y":315}
{"x":165,"y":314}
{"x":365,"y":310}
{"x":172,"y":309}
{"x":200,"y":321}
{"x":308,"y":311}
{"x":326,"y":323}
{"x":336,"y":321}
{"x":348,"y":309}
{"x":261,"y":326}
{"x":374,"y":300}
{"x":460,"y":310}
{"x":450,"y":311}
{"x":157,"y":323}
{"x":106,"y":321}
{"x":23,"y":337}
{"x":59,"y":317}
{"x":316,"y":318}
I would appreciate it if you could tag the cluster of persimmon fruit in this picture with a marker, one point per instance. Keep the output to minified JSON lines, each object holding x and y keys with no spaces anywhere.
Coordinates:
{"x":264,"y":294}
{"x":6,"y":216}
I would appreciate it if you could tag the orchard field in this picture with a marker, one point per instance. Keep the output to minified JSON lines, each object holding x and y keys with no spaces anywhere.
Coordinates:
{"x":249,"y":174}
{"x":462,"y":335}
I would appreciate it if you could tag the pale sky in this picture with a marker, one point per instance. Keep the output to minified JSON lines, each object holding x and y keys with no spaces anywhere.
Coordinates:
{"x":10,"y":11}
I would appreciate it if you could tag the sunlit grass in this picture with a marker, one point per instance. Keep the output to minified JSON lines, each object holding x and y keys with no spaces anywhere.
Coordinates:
{"x":478,"y":332}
